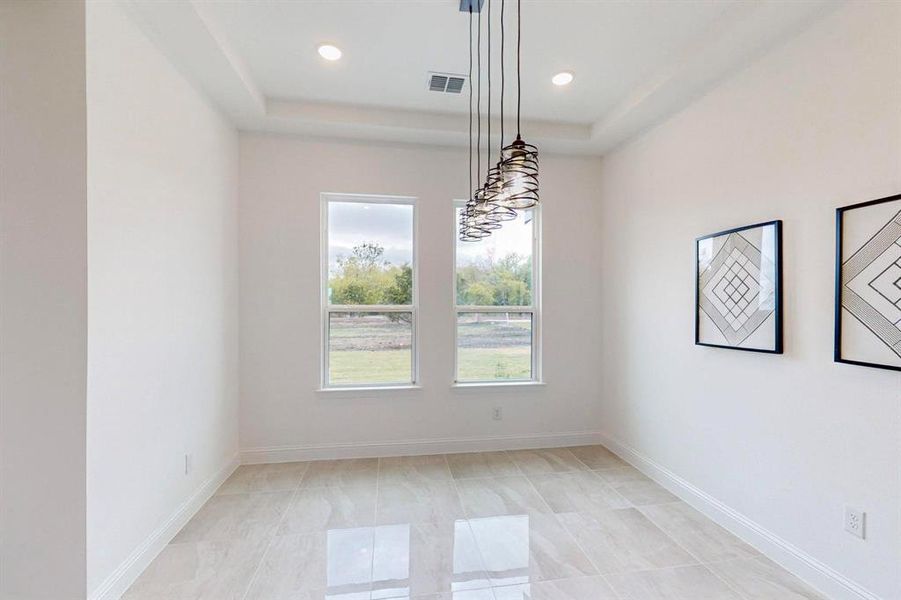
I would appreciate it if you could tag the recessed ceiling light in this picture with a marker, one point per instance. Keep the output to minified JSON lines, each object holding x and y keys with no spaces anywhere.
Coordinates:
{"x":329,"y":52}
{"x":564,"y":78}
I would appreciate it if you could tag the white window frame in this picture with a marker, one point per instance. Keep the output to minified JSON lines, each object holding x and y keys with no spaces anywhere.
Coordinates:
{"x":534,"y":309}
{"x":327,"y":308}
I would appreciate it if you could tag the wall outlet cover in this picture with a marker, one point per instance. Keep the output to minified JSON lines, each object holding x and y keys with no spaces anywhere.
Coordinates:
{"x":855,"y":522}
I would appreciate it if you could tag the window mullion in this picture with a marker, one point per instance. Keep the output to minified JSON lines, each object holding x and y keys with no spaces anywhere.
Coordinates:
{"x":494,"y":309}
{"x":371,"y":308}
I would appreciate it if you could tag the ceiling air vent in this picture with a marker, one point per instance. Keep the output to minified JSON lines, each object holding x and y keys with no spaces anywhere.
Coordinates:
{"x":446,"y":83}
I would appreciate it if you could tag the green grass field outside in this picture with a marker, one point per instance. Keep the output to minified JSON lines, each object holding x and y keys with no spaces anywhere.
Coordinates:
{"x":488,"y":364}
{"x":393,"y":366}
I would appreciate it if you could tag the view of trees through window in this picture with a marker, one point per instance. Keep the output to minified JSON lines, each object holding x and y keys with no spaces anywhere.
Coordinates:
{"x":370,"y":264}
{"x":491,"y":281}
{"x":365,"y":277}
{"x":494,"y":344}
{"x":371,"y":311}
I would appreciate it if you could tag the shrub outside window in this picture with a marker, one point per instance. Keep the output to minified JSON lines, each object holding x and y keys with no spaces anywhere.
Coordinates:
{"x":369,"y":298}
{"x":497,"y":303}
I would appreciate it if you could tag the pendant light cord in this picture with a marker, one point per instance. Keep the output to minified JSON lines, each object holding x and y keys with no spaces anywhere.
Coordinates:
{"x":479,"y":99}
{"x":488,"y":134}
{"x":518,"y":65}
{"x":502,"y":78}
{"x":469,"y":189}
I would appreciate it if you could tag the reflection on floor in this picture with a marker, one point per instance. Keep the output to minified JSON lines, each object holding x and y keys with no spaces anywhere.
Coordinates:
{"x":553,"y":524}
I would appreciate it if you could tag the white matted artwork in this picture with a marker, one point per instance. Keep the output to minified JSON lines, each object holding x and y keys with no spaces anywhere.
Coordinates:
{"x":739,"y":288}
{"x":868,"y":284}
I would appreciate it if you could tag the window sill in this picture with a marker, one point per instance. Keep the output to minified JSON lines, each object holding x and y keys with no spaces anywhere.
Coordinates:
{"x":500,"y":384}
{"x":369,"y":388}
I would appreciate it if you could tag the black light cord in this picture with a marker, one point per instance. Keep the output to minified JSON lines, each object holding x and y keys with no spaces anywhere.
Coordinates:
{"x":469,"y":189}
{"x":502,"y":77}
{"x":518,"y":66}
{"x":488,"y":135}
{"x":479,"y":100}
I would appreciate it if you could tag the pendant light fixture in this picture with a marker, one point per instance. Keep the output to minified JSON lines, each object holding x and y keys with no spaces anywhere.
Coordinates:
{"x":478,"y":224}
{"x":512,"y":184}
{"x":519,"y":160}
{"x":470,"y":231}
{"x":499,"y":194}
{"x":483,"y":207}
{"x":493,"y":180}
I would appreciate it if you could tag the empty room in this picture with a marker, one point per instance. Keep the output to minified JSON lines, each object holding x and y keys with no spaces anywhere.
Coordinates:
{"x":450,"y":299}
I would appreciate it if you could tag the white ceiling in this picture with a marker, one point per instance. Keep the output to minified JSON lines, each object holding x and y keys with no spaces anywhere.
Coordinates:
{"x":636,"y":62}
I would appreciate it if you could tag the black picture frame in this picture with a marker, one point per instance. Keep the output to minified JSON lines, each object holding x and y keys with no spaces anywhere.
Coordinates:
{"x":778,"y":324}
{"x":839,"y":273}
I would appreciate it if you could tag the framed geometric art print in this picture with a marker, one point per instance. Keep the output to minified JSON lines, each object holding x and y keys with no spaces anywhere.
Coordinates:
{"x":868,"y":284}
{"x":738,"y":288}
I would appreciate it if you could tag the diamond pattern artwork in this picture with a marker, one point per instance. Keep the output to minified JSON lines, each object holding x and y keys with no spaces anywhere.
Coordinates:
{"x":738,"y":289}
{"x":870,"y":271}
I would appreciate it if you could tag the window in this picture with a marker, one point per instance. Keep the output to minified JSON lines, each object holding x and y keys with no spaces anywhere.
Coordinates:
{"x":497,"y":300}
{"x":369,"y":295}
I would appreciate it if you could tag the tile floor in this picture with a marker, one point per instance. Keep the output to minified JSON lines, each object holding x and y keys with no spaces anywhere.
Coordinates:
{"x":552,"y":524}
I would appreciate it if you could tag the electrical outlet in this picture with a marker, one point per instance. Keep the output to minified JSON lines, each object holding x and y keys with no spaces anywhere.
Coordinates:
{"x":498,"y":413}
{"x":855,"y":522}
{"x":188,"y":465}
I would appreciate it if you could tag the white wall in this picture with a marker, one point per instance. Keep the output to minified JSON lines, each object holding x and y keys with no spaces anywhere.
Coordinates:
{"x":785,"y":440}
{"x":280,"y":181}
{"x":43,"y":300}
{"x":162,"y":250}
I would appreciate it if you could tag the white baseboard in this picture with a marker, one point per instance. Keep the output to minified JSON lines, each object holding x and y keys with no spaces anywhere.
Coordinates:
{"x":121,"y":579}
{"x":818,"y":575}
{"x":275,"y":454}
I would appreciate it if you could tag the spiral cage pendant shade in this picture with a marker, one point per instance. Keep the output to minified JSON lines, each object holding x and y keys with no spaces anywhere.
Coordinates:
{"x":519,"y":175}
{"x":495,"y":211}
{"x":519,"y":160}
{"x":469,"y":231}
{"x":483,"y":209}
{"x":474,"y":221}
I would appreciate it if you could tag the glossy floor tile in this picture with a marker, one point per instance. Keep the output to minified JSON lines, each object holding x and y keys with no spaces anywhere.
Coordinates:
{"x":337,"y":561}
{"x":489,"y":497}
{"x":418,"y":503}
{"x":278,"y":477}
{"x":236,"y":517}
{"x":761,"y":579}
{"x":696,"y":533}
{"x":481,"y":464}
{"x":550,"y":524}
{"x":679,"y":583}
{"x":577,"y":491}
{"x":332,"y":507}
{"x":554,"y":460}
{"x":580,"y":588}
{"x":194,"y":570}
{"x":524,"y":548}
{"x":636,"y":487}
{"x":597,"y":457}
{"x":353,"y":471}
{"x":414,"y":469}
{"x":483,"y":594}
{"x":624,"y":540}
{"x":417,"y":559}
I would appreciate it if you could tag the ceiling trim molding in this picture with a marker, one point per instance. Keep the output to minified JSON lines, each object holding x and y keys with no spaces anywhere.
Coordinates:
{"x":304,"y":111}
{"x":192,"y":39}
{"x":198,"y":48}
{"x":734,"y":41}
